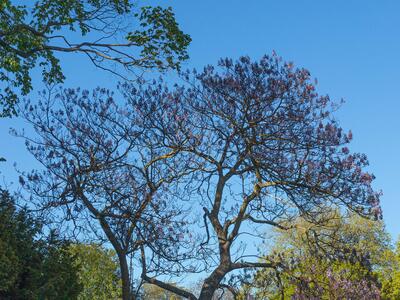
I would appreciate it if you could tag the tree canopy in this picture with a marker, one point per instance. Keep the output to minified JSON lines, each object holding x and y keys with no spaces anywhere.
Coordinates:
{"x":247,"y":144}
{"x":264,"y":149}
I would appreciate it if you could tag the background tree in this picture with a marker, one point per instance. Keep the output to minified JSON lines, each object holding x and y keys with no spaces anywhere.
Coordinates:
{"x":108,"y":32}
{"x":265,"y":151}
{"x":153,"y":292}
{"x":105,"y":180}
{"x":347,"y":256}
{"x":97,"y":271}
{"x":32,"y":267}
{"x":390,"y":276}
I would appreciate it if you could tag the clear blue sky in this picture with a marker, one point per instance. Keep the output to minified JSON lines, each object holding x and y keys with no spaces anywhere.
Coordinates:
{"x":352,"y":47}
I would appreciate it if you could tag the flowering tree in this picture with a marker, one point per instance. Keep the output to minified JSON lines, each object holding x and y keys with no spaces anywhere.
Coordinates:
{"x":103,"y":178}
{"x":264,"y":149}
{"x":339,"y":286}
{"x":249,"y":146}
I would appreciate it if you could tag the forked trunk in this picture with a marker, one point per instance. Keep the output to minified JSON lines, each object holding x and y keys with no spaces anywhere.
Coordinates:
{"x":212,"y":283}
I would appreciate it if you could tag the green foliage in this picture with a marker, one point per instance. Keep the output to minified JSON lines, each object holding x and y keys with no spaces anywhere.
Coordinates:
{"x":160,"y":39}
{"x":97,"y":272}
{"x":31,"y":37}
{"x":58,"y":278}
{"x":153,"y":292}
{"x":30,"y":267}
{"x":348,"y":249}
{"x":16,"y":236}
{"x":390,"y":275}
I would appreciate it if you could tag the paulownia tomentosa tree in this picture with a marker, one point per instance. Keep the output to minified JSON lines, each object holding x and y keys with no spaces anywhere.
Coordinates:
{"x":109,"y":32}
{"x":105,"y":180}
{"x":249,"y":146}
{"x":264,"y":150}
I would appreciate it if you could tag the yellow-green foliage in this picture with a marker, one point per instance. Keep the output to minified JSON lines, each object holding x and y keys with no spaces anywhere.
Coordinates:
{"x":153,"y":292}
{"x":313,"y":248}
{"x":390,"y":275}
{"x":97,"y":272}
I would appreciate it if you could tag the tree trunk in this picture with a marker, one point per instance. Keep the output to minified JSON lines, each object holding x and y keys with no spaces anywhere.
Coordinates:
{"x":126,"y":283}
{"x":211,"y":284}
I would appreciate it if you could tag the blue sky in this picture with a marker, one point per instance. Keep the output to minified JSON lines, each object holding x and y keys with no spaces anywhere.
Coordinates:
{"x":352,"y":47}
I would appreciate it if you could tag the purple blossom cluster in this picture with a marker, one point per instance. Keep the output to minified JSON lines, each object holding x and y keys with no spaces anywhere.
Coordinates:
{"x":339,"y":286}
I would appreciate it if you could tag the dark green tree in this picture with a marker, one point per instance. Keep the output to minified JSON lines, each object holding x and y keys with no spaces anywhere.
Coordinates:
{"x":108,"y":32}
{"x":32,"y":267}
